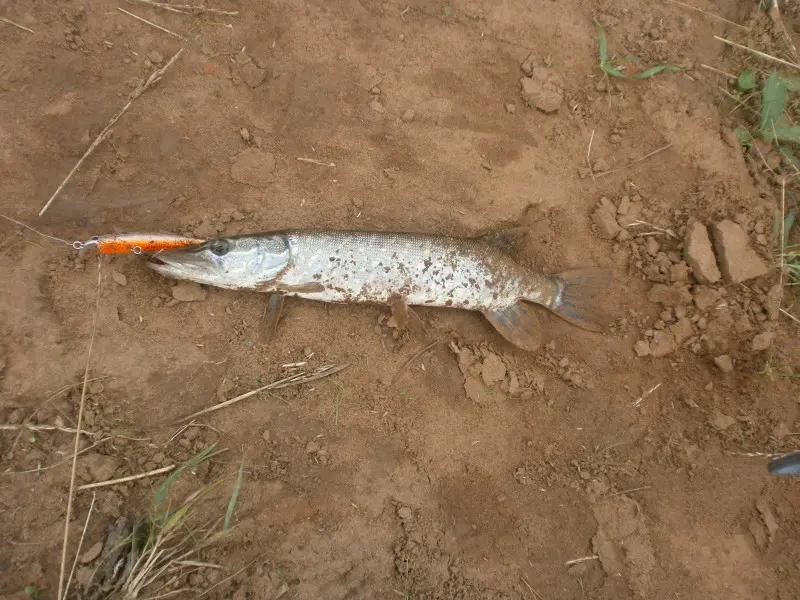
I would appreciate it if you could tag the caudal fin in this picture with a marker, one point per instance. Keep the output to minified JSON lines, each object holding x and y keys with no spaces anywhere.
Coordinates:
{"x":580,"y":297}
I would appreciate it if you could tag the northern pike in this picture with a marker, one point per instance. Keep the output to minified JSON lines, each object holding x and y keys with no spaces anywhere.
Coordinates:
{"x":396,"y":269}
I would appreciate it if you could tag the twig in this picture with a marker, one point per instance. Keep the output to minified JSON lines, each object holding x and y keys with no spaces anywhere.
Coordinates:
{"x":412,"y":359}
{"x":775,"y":15}
{"x":760,"y":454}
{"x":188,"y":8}
{"x":71,"y":492}
{"x":700,"y":10}
{"x":758,"y":53}
{"x":589,"y":154}
{"x":637,"y":161}
{"x":10,"y":22}
{"x":297,"y":379}
{"x":80,"y":545}
{"x":668,"y":232}
{"x":575,"y":561}
{"x":783,"y":234}
{"x":231,"y":576}
{"x":164,"y":29}
{"x":30,"y":427}
{"x":98,"y":484}
{"x":646,"y":394}
{"x":536,"y":594}
{"x":638,"y":489}
{"x":790,"y":315}
{"x":316,"y":162}
{"x":715,"y":70}
{"x":154,"y":78}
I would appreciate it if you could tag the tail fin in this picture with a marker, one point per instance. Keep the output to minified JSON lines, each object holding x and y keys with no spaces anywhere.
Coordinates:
{"x":580,"y":295}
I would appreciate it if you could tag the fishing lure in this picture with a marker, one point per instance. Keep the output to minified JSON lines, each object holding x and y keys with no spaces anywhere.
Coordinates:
{"x":138,"y":243}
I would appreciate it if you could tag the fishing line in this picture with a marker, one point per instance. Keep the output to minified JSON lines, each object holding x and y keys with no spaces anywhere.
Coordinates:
{"x":52,"y":237}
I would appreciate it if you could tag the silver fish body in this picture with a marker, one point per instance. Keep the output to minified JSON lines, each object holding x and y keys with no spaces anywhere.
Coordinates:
{"x":377,"y":267}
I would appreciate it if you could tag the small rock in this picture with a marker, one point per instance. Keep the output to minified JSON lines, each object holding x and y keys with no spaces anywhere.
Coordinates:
{"x":606,"y":223}
{"x":408,"y":116}
{"x":780,"y":431}
{"x":705,"y":298}
{"x":405,"y":513}
{"x":119,"y":278}
{"x":543,"y":90}
{"x":493,"y":370}
{"x":158,"y":457}
{"x":188,"y":291}
{"x":601,"y":165}
{"x":513,"y":384}
{"x":266,"y":435}
{"x":642,"y":348}
{"x":312,"y":447}
{"x":698,"y":253}
{"x":92,"y":553}
{"x":254,"y":167}
{"x":679,"y":273}
{"x":623,"y":235}
{"x":245,"y":133}
{"x":615,"y":138}
{"x":724,"y":363}
{"x":156,"y":302}
{"x":769,"y":518}
{"x":669,"y":296}
{"x":722,"y":421}
{"x":375,"y":90}
{"x":376,"y":105}
{"x":528,"y":64}
{"x":624,"y":205}
{"x":682,"y":330}
{"x":99,"y":467}
{"x":763,"y":341}
{"x":663,"y":343}
{"x":738,"y":261}
{"x":651,"y":246}
{"x":155,"y":57}
{"x":511,"y":108}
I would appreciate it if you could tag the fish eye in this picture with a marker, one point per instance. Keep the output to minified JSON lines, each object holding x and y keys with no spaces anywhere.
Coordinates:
{"x":219,"y":247}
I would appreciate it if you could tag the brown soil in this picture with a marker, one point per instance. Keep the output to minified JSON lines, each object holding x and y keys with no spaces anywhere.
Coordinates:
{"x":482,"y":469}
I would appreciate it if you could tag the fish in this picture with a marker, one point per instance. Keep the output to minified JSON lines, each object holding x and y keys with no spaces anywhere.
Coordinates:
{"x":788,"y":464}
{"x":398,"y":269}
{"x":137,"y":243}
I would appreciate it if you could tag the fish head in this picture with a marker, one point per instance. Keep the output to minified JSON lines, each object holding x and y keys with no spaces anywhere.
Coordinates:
{"x":241,"y":262}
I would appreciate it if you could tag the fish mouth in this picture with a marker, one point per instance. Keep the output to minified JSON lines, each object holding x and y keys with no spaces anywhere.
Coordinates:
{"x":179,"y":265}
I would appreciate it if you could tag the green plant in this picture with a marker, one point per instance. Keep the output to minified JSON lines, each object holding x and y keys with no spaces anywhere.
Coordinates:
{"x":607,"y":66}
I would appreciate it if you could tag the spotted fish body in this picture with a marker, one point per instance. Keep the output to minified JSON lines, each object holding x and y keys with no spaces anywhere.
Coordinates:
{"x":377,"y":267}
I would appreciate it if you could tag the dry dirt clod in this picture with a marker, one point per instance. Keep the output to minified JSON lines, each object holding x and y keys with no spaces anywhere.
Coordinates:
{"x":187,"y":291}
{"x":119,"y":278}
{"x":763,"y":341}
{"x":606,"y":222}
{"x":699,"y":254}
{"x":722,"y":421}
{"x":668,"y":295}
{"x":493,"y":370}
{"x":376,"y":105}
{"x":92,"y":553}
{"x":724,"y":363}
{"x":408,"y":116}
{"x":312,"y":447}
{"x":254,"y":167}
{"x":511,"y":108}
{"x":601,"y":165}
{"x":529,"y":64}
{"x":543,"y":90}
{"x":642,"y":348}
{"x":405,"y":513}
{"x":737,"y":260}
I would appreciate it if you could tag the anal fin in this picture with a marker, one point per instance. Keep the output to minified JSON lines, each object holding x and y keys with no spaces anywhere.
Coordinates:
{"x":518,"y":324}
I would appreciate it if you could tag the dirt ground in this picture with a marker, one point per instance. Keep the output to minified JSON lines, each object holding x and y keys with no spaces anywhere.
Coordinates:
{"x":476,"y":470}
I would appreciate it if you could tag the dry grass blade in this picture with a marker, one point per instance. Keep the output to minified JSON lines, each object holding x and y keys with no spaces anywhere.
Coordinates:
{"x":143,"y":20}
{"x":31,"y":427}
{"x":712,"y":15}
{"x":758,"y":53}
{"x":62,"y":461}
{"x":10,"y":22}
{"x":189,"y":8}
{"x":412,"y":359}
{"x":143,"y":87}
{"x":575,"y":561}
{"x":234,"y":496}
{"x":90,"y":486}
{"x":71,"y":492}
{"x":80,"y":545}
{"x":637,"y":161}
{"x":297,"y":379}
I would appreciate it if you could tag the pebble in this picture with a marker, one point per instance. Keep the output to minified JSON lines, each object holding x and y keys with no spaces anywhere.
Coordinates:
{"x":724,"y":363}
{"x":119,"y":278}
{"x":155,"y":57}
{"x":511,"y":108}
{"x":405,"y":513}
{"x":642,"y":348}
{"x":543,"y":90}
{"x":606,"y":222}
{"x":408,"y":116}
{"x":375,"y":90}
{"x":312,"y":447}
{"x":245,"y":133}
{"x":601,"y":165}
{"x":722,"y":421}
{"x":493,"y":370}
{"x":376,"y":105}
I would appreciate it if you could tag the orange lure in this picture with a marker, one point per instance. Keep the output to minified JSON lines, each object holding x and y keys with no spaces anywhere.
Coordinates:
{"x":138,"y":243}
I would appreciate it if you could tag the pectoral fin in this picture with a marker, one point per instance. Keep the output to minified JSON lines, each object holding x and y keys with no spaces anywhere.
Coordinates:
{"x":269,"y":323}
{"x":518,"y":324}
